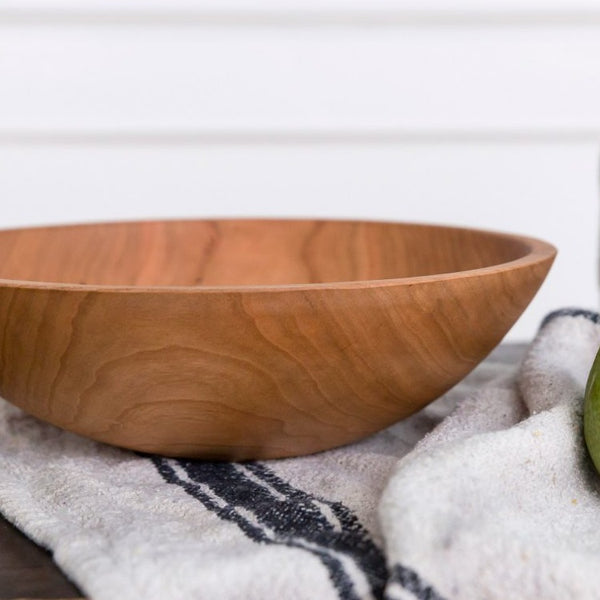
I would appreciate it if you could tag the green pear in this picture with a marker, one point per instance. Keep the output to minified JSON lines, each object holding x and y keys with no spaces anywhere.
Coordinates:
{"x":591,"y":413}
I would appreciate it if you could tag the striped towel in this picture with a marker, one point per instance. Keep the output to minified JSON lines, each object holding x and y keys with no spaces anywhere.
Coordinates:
{"x":486,"y":493}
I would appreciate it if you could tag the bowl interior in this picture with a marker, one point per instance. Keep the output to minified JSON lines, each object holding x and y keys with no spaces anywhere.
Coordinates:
{"x":246,"y":252}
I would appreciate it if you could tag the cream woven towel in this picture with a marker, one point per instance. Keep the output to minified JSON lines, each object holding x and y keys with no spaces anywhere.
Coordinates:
{"x":492,"y":504}
{"x":501,"y":500}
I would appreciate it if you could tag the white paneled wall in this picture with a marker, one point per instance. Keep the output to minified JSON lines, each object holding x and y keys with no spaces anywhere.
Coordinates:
{"x":475,"y":113}
{"x":124,"y":77}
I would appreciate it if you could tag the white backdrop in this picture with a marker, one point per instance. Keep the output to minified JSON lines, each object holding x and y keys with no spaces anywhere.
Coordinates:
{"x":484,"y":114}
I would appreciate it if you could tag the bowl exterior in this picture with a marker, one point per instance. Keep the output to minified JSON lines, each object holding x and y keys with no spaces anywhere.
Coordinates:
{"x":250,"y":374}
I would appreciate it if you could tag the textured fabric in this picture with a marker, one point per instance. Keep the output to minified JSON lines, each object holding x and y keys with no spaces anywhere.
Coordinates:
{"x":496,"y":500}
{"x":501,"y":501}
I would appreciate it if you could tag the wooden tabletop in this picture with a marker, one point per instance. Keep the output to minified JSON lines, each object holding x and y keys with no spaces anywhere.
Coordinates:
{"x":28,"y":571}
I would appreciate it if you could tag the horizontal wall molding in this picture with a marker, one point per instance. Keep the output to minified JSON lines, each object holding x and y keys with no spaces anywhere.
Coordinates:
{"x":300,"y":18}
{"x":303,"y":137}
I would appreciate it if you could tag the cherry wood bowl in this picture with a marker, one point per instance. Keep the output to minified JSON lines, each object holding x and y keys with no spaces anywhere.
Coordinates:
{"x":246,"y":339}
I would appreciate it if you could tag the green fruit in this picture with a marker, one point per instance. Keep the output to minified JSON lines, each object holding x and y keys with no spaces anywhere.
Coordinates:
{"x":591,"y":413}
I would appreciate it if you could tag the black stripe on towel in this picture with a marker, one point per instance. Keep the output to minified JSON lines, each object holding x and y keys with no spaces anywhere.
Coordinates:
{"x":590,"y":315}
{"x":283,"y":515}
{"x":351,"y":539}
{"x":411,"y":581}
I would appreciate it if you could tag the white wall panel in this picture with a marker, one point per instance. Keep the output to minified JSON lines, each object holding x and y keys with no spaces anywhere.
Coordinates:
{"x":128,"y":78}
{"x":545,"y":190}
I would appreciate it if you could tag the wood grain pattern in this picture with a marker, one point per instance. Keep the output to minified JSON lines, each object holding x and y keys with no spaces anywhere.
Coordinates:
{"x":242,"y":339}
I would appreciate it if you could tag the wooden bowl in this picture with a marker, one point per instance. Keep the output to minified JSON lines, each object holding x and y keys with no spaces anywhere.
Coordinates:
{"x":246,"y":339}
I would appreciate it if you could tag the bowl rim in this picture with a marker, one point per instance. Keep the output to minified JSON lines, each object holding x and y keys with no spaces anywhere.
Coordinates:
{"x":538,"y":251}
